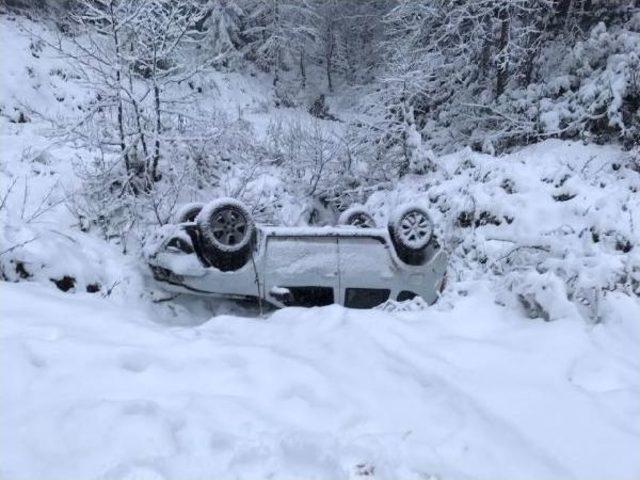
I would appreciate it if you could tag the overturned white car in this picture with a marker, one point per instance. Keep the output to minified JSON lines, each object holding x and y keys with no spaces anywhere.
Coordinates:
{"x":216,"y":249}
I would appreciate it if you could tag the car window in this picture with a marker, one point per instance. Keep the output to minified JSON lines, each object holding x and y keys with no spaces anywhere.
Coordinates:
{"x":310,"y":296}
{"x":365,"y":297}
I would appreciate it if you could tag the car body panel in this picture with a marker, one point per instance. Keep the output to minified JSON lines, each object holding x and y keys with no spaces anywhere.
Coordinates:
{"x":294,"y":261}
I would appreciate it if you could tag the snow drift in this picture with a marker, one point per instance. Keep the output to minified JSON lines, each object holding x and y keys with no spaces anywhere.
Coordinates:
{"x":465,"y":390}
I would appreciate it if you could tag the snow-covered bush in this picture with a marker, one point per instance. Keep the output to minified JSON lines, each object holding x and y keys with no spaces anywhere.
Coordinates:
{"x":554,"y":226}
{"x":317,"y":167}
{"x":494,"y":76}
{"x":72,"y":262}
{"x":593,"y":92}
{"x":541,"y":295}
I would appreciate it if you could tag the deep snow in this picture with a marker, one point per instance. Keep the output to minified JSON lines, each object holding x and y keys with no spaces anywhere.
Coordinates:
{"x":466,"y":389}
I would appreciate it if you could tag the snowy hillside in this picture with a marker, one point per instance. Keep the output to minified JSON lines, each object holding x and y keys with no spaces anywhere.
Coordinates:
{"x":526,"y":366}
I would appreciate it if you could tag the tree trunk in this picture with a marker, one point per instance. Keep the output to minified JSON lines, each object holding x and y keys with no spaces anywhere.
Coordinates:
{"x":123,"y":146}
{"x":485,"y":52}
{"x":502,"y":57}
{"x":303,"y":73}
{"x":407,"y":117}
{"x":156,"y":155}
{"x":403,"y":168}
{"x":534,"y":45}
{"x":276,"y":59}
{"x":136,"y":109}
{"x":329,"y":64}
{"x":329,"y":51}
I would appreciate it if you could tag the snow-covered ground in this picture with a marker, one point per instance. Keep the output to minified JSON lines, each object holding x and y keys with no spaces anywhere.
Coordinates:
{"x":467,"y":389}
{"x":112,"y":385}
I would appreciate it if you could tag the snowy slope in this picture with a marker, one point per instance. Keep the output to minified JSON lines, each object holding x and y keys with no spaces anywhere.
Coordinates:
{"x":465,"y":390}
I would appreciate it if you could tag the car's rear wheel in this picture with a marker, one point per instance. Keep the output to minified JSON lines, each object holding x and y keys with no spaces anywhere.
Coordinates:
{"x":411,"y":231}
{"x":189,"y":212}
{"x":357,"y":216}
{"x":226,"y":231}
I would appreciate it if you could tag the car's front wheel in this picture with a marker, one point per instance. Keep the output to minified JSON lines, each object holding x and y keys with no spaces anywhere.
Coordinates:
{"x":226,"y":231}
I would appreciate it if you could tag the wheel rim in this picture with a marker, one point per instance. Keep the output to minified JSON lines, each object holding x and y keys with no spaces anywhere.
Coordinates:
{"x":229,"y":226}
{"x":415,"y":228}
{"x":361,"y":220}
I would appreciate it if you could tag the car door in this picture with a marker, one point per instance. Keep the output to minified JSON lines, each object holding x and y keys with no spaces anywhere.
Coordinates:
{"x":367,"y":272}
{"x":307,"y":266}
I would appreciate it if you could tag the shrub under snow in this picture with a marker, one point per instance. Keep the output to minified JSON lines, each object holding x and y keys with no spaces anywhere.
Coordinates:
{"x":555,"y":225}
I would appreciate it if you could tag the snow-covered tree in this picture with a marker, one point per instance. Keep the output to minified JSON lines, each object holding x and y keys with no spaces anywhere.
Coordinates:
{"x":223,"y":24}
{"x":277,"y":32}
{"x":160,"y":36}
{"x":103,"y":31}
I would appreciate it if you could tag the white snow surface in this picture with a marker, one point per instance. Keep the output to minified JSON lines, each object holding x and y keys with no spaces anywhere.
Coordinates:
{"x":109,"y":385}
{"x":466,"y":389}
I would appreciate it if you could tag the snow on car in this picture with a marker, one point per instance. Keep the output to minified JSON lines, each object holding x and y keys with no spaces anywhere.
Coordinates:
{"x":216,"y":249}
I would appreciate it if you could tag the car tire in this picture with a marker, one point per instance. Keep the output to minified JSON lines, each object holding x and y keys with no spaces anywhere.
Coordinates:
{"x":357,"y":216}
{"x":189,"y":212}
{"x":227,"y":233}
{"x":411,"y":231}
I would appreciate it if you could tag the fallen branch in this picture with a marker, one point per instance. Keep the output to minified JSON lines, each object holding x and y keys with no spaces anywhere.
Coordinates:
{"x":10,"y":249}
{"x":521,"y":247}
{"x":3,"y":202}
